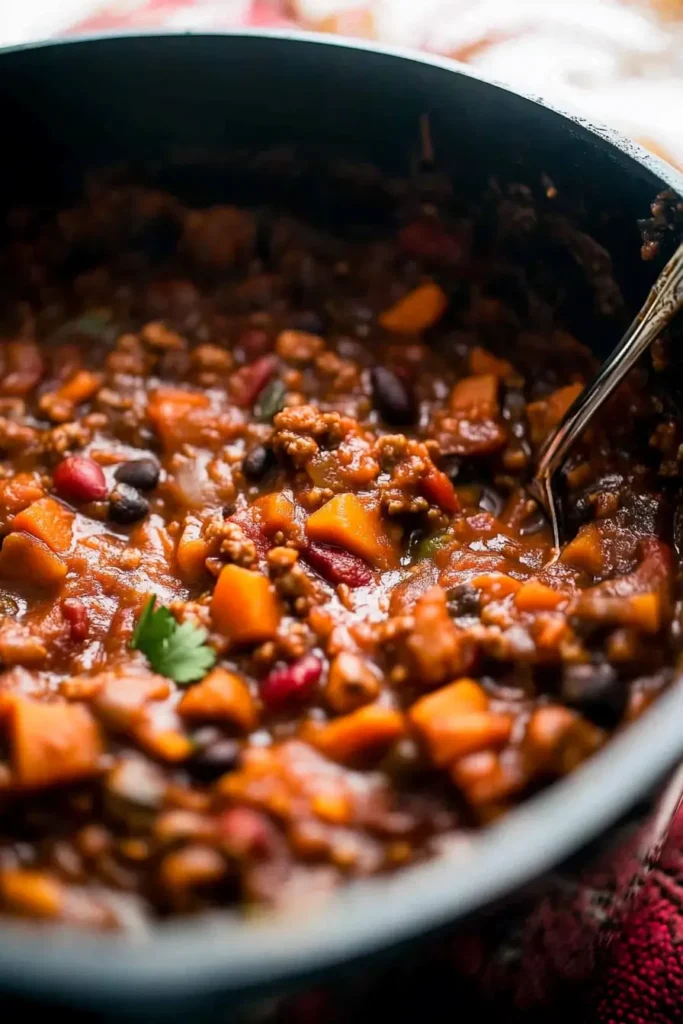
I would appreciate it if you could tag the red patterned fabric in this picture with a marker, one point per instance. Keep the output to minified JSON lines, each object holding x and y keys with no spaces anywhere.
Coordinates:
{"x":641,"y":980}
{"x":639,"y":977}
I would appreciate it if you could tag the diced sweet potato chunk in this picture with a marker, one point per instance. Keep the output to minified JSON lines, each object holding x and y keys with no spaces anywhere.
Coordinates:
{"x":171,"y":411}
{"x":464,"y":733}
{"x":585,"y":551}
{"x":436,"y":649}
{"x":547,"y":412}
{"x":19,"y":491}
{"x":50,"y":521}
{"x":476,"y":397}
{"x":363,"y":732}
{"x":351,"y":683}
{"x":21,"y":645}
{"x":221,"y":697}
{"x":485,"y":777}
{"x":52,"y":743}
{"x":244,"y":606}
{"x":128,"y":699}
{"x":25,"y":559}
{"x":473,"y":426}
{"x":495,"y":586}
{"x":455,"y":721}
{"x":167,"y":744}
{"x":482,"y":361}
{"x":194,"y":866}
{"x":464,"y":695}
{"x":357,"y":525}
{"x":416,"y":311}
{"x":642,"y":611}
{"x":192,"y":552}
{"x":558,"y":739}
{"x":275,"y":512}
{"x":641,"y":599}
{"x":534,"y":596}
{"x":80,"y":388}
{"x":121,"y":694}
{"x":33,"y":893}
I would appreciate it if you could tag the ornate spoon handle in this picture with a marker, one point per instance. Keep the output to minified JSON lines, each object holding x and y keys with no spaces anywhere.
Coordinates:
{"x":662,"y":303}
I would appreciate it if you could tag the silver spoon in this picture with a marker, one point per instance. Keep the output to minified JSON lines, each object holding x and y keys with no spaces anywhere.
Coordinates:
{"x":663,"y":302}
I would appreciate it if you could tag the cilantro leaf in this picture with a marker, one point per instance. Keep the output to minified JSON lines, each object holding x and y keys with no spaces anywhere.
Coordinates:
{"x":271,"y":401}
{"x":153,"y":628}
{"x":185,"y":657}
{"x":178,"y":652}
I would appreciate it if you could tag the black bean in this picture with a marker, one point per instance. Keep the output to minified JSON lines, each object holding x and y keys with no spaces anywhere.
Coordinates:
{"x":142,"y":474}
{"x":392,"y":397}
{"x":533,"y":523}
{"x":257,"y":463}
{"x":403,"y":760}
{"x":596,"y":691}
{"x":214,"y":755}
{"x":491,"y":501}
{"x":463,"y":600}
{"x":451,"y":465}
{"x":126,"y":505}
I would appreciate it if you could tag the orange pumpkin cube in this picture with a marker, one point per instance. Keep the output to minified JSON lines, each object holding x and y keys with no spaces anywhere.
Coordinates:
{"x":357,"y":525}
{"x":416,"y":311}
{"x":244,"y":606}
{"x":48,"y":520}
{"x":25,"y":559}
{"x":52,"y":743}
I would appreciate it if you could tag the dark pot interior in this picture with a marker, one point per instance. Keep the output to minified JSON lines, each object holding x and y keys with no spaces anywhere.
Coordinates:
{"x":172,"y":107}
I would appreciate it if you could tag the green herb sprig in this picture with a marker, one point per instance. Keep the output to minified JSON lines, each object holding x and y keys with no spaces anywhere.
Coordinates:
{"x":179,"y":652}
{"x":271,"y":401}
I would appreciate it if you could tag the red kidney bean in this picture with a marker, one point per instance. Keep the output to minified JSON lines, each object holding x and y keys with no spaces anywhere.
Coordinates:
{"x":76,"y":614}
{"x":338,"y":566}
{"x":292,"y":683}
{"x":78,"y":478}
{"x":429,"y":239}
{"x":247,"y":383}
{"x":245,"y":832}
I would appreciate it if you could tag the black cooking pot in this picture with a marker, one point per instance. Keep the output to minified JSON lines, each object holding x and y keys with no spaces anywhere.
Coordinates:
{"x":169,"y":101}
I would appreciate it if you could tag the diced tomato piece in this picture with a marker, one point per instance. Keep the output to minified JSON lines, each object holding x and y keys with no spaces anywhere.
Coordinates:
{"x":247,"y":383}
{"x":438,"y":489}
{"x":76,"y":614}
{"x":338,"y":566}
{"x":428,"y":239}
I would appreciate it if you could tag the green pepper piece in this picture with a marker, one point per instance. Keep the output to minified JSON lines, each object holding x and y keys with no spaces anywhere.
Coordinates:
{"x":428,"y":546}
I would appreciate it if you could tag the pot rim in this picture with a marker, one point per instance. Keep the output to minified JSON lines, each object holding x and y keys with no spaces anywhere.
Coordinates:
{"x":223,"y":953}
